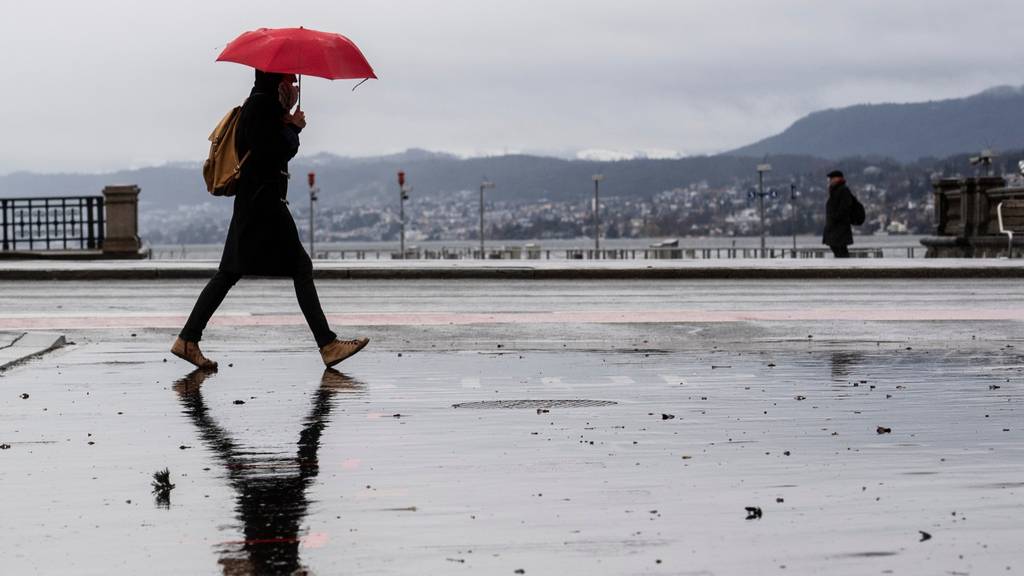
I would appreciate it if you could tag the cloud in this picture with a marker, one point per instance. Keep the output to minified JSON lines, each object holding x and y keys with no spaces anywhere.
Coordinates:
{"x":113,"y":83}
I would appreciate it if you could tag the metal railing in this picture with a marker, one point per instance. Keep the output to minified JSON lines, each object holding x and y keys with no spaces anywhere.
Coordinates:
{"x":591,"y":254}
{"x":538,"y":253}
{"x":54,"y":223}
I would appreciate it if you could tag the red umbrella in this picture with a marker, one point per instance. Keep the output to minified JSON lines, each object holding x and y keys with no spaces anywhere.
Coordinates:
{"x":299,"y":51}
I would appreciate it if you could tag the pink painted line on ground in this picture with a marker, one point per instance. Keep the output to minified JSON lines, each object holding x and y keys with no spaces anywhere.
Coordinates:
{"x":676,"y":316}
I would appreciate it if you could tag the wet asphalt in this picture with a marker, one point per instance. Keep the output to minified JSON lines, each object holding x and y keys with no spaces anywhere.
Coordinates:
{"x":819,"y":444}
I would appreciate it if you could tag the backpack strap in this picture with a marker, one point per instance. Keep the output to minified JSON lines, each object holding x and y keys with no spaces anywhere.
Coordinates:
{"x":238,"y":167}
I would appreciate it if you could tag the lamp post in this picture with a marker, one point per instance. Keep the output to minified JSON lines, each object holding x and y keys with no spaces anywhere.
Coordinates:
{"x":484,"y":185}
{"x":403,"y":195}
{"x":792,"y":213}
{"x":985,"y":160}
{"x":311,"y":178}
{"x":761,"y":170}
{"x":597,"y":213}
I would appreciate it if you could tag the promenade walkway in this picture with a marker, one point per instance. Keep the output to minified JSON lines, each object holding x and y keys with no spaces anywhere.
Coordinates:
{"x":541,"y":269}
{"x":553,"y":427}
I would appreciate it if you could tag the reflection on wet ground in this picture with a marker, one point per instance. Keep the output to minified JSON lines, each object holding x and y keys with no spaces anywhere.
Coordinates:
{"x":282,"y":469}
{"x":844,"y":363}
{"x":271,"y":488}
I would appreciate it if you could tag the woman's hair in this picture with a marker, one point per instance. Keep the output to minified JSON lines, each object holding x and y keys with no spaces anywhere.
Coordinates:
{"x":267,"y":82}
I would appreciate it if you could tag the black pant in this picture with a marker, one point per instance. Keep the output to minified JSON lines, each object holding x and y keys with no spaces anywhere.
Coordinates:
{"x":218,"y":286}
{"x":840,"y":251}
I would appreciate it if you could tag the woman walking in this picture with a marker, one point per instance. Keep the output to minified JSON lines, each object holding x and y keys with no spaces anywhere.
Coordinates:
{"x":262,"y":239}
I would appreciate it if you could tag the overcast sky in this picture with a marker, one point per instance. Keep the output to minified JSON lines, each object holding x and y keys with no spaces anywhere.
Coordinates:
{"x":109,"y":84}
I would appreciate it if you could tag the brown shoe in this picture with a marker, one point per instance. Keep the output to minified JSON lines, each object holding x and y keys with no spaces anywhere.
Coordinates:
{"x":190,"y":352}
{"x":338,"y":350}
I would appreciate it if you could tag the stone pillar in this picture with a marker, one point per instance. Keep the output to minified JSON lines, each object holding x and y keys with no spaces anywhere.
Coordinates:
{"x":983,"y":207}
{"x":941,"y":190}
{"x":122,"y":225}
{"x":968,"y":208}
{"x":949,"y":240}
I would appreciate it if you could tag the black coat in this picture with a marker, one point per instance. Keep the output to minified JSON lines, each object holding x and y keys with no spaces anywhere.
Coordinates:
{"x":837,"y":217}
{"x":262,"y":239}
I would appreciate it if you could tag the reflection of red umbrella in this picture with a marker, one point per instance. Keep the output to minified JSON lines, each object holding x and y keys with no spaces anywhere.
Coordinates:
{"x":299,"y":51}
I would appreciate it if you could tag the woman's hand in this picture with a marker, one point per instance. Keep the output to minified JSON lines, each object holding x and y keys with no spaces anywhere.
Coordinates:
{"x":298,"y":118}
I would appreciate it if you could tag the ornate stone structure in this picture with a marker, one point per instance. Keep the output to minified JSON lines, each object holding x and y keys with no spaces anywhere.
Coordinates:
{"x":967,"y":221}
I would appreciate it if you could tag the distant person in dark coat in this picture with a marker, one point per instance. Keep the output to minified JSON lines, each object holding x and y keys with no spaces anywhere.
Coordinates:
{"x":262,"y":239}
{"x":838,"y":233}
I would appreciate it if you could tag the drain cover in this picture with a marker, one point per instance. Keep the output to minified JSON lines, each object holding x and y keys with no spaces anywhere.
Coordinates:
{"x":530,"y":404}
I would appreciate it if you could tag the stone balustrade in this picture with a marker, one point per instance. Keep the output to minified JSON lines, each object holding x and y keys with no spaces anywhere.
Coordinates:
{"x":967,"y":222}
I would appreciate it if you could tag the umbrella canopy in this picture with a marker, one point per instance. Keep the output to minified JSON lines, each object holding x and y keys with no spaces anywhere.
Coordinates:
{"x":299,"y":51}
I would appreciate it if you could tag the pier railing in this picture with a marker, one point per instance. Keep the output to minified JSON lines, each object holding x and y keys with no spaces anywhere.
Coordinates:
{"x":519,"y":253}
{"x":55,"y":223}
{"x":75,"y":227}
{"x":654,"y":253}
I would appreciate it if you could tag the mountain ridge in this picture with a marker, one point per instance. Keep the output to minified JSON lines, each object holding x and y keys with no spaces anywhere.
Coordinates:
{"x":906,"y":132}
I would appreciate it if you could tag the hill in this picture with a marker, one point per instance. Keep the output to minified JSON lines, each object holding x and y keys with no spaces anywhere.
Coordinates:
{"x":905,"y":132}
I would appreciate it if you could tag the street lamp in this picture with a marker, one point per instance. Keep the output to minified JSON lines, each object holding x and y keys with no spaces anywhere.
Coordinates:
{"x":403,"y":195}
{"x":985,"y":159}
{"x":792,"y":213}
{"x":485,"y":184}
{"x":311,"y":178}
{"x":597,"y":212}
{"x":761,"y":170}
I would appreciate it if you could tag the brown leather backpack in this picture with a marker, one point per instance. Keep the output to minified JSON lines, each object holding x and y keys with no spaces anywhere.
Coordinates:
{"x":222,"y":167}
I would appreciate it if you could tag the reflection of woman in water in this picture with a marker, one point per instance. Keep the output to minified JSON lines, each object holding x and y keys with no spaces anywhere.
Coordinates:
{"x":271,"y":489}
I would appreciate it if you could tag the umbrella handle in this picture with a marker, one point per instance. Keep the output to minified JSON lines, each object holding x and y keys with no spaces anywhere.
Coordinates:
{"x":299,"y":107}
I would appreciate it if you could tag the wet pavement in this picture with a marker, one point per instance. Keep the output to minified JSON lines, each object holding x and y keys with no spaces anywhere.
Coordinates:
{"x":888,"y":444}
{"x":19,"y":347}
